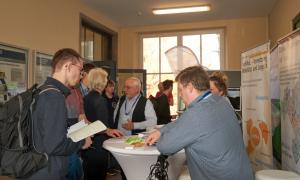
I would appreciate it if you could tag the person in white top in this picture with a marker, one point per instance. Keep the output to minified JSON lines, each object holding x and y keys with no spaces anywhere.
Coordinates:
{"x":134,"y":113}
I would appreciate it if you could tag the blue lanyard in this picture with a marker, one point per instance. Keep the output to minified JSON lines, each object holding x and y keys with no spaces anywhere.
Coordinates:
{"x":203,"y":96}
{"x":127,"y":113}
{"x":84,"y":91}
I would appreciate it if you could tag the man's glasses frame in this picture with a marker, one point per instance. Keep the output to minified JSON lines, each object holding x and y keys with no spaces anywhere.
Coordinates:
{"x":80,"y":68}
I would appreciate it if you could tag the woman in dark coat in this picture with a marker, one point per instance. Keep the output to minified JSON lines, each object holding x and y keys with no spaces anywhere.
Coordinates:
{"x":95,"y":159}
{"x":163,"y":110}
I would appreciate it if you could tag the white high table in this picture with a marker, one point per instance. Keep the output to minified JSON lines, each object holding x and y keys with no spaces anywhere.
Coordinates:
{"x":136,"y":162}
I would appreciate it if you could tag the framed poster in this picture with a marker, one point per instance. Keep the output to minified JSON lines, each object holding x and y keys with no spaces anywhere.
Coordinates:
{"x":123,"y":74}
{"x":13,"y":71}
{"x":41,"y":66}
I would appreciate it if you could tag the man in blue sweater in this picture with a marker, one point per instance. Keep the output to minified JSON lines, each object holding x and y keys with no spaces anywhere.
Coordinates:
{"x":208,"y":131}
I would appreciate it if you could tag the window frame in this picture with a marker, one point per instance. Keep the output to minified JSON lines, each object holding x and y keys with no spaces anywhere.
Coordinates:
{"x":95,"y":27}
{"x":179,"y":35}
{"x":179,"y":43}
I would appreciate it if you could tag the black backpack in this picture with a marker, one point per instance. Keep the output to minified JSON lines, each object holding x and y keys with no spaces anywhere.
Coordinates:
{"x":18,"y":155}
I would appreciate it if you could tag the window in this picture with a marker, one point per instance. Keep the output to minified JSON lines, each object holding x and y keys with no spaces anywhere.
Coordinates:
{"x":97,"y":42}
{"x":206,"y":45}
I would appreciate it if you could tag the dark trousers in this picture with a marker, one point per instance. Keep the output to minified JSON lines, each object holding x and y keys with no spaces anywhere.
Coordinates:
{"x":112,"y":162}
{"x":75,"y":168}
{"x":95,"y":168}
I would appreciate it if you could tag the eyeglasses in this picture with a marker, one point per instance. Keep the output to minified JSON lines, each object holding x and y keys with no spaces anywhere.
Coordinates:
{"x":80,"y":68}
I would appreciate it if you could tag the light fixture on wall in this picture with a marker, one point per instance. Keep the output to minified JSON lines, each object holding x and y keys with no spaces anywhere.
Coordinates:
{"x":177,"y":10}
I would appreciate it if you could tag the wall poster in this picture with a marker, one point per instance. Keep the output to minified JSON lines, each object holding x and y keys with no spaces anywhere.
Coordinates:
{"x":13,"y":71}
{"x":41,"y":67}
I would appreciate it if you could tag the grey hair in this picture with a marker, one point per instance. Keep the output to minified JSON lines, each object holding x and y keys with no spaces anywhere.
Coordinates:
{"x":137,"y":82}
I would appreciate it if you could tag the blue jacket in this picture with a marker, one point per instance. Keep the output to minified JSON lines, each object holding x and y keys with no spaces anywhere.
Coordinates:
{"x":50,"y":132}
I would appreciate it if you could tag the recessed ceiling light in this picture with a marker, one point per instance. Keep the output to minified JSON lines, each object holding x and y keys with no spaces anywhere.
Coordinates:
{"x":178,"y":10}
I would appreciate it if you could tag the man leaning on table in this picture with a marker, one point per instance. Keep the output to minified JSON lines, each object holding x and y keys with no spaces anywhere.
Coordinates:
{"x":208,"y":131}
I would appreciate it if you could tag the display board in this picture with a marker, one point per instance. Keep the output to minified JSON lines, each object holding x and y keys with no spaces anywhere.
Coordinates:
{"x":109,"y":67}
{"x":289,"y":55}
{"x":256,"y":106}
{"x":123,"y":74}
{"x":234,"y":77}
{"x":41,"y":66}
{"x":13,"y":71}
{"x":275,"y":107}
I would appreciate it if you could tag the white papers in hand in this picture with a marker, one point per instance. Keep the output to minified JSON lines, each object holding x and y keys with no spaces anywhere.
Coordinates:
{"x":77,"y":126}
{"x":81,"y":130}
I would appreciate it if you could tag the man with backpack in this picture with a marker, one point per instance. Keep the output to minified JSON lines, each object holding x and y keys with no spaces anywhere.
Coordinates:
{"x":50,"y":116}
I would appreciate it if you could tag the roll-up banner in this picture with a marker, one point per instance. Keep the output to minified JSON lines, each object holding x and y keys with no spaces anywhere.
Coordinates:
{"x":289,"y":62}
{"x":256,"y":106}
{"x":275,"y":107}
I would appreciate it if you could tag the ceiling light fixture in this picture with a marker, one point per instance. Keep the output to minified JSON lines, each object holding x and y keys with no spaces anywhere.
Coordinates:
{"x":178,"y":10}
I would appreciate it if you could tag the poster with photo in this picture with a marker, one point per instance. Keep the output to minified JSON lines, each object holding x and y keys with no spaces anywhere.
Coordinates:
{"x":42,"y":67}
{"x":13,"y":71}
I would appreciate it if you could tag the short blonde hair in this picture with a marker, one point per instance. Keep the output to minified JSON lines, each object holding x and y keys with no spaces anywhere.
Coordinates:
{"x":97,"y":79}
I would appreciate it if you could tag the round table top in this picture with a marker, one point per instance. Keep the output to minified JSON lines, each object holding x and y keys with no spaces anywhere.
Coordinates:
{"x":118,"y":145}
{"x":275,"y":174}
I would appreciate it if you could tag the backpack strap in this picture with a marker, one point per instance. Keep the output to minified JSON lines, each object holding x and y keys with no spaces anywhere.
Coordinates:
{"x":38,"y":91}
{"x":43,"y":88}
{"x":21,"y":144}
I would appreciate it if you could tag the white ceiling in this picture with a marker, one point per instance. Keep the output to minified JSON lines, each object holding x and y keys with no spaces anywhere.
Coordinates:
{"x":138,"y":12}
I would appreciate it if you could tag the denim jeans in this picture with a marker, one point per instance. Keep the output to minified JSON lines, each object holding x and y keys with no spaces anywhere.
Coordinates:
{"x":75,"y":171}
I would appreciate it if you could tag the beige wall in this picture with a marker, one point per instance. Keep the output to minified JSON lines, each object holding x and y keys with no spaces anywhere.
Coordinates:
{"x":50,"y":25}
{"x":45,"y":25}
{"x":240,"y":35}
{"x":280,"y":18}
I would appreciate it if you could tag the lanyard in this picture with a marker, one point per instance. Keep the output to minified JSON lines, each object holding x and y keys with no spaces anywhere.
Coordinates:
{"x":84,"y":91}
{"x":203,"y":96}
{"x":127,"y":113}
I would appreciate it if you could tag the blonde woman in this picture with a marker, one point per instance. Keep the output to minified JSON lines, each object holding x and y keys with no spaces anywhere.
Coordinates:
{"x":218,"y":83}
{"x":95,"y":159}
